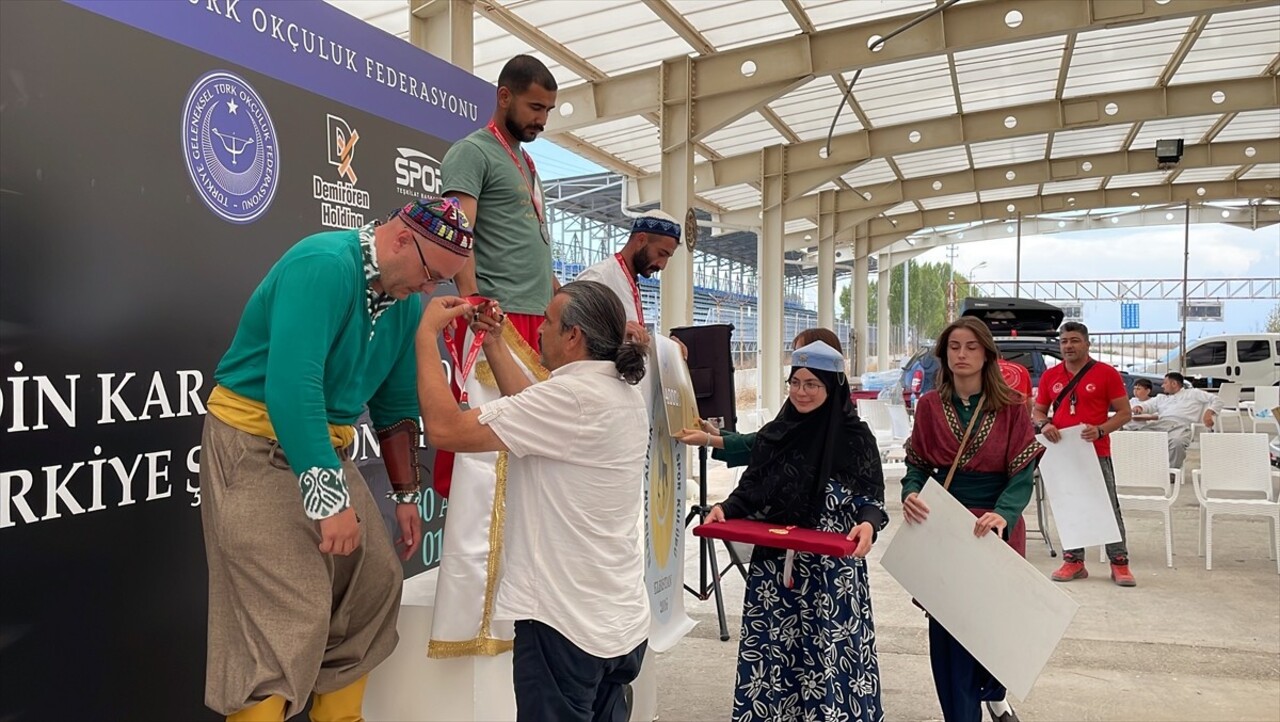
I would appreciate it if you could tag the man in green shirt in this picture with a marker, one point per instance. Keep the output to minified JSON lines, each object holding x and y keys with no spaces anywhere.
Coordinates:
{"x":302,"y":596}
{"x":497,"y":185}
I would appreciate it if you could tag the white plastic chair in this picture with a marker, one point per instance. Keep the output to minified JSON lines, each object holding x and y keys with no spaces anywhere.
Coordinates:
{"x":1230,"y":419}
{"x":1235,"y":463}
{"x":876,"y":414}
{"x":1264,"y":397}
{"x":899,"y":421}
{"x":1141,"y":459}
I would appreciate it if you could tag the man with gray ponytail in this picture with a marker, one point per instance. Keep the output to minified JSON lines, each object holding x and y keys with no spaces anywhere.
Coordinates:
{"x":572,"y":583}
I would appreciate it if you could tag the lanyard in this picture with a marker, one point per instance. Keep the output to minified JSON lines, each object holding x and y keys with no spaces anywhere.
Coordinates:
{"x":635,"y":290}
{"x":463,"y":367}
{"x":533,"y":196}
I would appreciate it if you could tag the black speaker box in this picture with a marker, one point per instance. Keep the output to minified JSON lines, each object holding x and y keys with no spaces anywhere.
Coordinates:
{"x":711,"y":367}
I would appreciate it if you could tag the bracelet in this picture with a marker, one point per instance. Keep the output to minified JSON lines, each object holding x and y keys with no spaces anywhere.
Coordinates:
{"x":405,"y":497}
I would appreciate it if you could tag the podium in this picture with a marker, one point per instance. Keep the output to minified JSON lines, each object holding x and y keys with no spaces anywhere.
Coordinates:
{"x":412,"y":687}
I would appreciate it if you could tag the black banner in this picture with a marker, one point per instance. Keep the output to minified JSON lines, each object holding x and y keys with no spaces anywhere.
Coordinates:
{"x":130,"y":238}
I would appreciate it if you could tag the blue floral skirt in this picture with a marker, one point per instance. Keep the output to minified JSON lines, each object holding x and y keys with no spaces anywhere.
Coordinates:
{"x":809,"y":652}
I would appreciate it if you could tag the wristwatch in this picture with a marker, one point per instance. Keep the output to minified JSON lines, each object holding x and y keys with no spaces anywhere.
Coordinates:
{"x":1101,"y":431}
{"x":1040,"y":425}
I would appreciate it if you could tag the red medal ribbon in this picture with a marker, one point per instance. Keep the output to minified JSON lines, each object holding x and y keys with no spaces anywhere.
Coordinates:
{"x":635,"y":290}
{"x":463,"y":368}
{"x":533,"y":196}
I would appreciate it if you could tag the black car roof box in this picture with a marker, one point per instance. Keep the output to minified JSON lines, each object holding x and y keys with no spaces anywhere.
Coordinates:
{"x":1014,"y":316}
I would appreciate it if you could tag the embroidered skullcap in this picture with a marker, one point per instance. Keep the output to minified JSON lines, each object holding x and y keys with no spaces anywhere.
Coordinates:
{"x":657,"y":223}
{"x":819,"y":356}
{"x":441,"y":221}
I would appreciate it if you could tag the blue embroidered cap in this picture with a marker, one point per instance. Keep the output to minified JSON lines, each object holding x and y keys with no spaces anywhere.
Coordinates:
{"x":818,"y":356}
{"x":657,"y":223}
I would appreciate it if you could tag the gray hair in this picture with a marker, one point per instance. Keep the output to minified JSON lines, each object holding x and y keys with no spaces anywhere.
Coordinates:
{"x":596,"y":311}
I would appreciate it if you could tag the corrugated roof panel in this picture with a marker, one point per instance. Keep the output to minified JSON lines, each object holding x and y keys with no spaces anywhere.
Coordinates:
{"x":1256,"y":124}
{"x":1263,"y":170}
{"x":799,"y":225}
{"x":746,"y":134}
{"x":1190,"y":130}
{"x":1135,"y":180}
{"x":492,"y":47}
{"x":949,"y":201}
{"x":634,"y":140}
{"x":1004,"y":194}
{"x":1122,"y":58}
{"x":1233,"y":45}
{"x":1071,"y":186}
{"x":729,"y":23}
{"x":1008,"y":151}
{"x":873,"y":172}
{"x":983,"y":75}
{"x":808,"y":110}
{"x":899,"y":93}
{"x":1206,"y":175}
{"x":907,"y":207}
{"x":833,"y":13}
{"x":734,"y":197}
{"x":1107,"y":139}
{"x":932,"y":162}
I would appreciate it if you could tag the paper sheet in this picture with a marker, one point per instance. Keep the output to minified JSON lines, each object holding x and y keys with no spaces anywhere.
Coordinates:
{"x":1077,"y":492}
{"x":1003,"y":610}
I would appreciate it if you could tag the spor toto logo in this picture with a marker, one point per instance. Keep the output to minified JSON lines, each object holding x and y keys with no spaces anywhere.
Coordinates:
{"x":417,"y":174}
{"x":230,"y":146}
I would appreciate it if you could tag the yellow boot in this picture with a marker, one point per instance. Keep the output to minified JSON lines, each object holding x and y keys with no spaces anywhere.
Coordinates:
{"x":270,"y":709}
{"x":343,"y":705}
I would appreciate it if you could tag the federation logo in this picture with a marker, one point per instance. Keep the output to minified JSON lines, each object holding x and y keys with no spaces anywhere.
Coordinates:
{"x":342,"y":147}
{"x":230,"y":147}
{"x":1090,"y":388}
{"x":1057,"y":388}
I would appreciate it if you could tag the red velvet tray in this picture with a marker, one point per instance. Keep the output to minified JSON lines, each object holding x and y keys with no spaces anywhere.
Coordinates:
{"x":778,"y":536}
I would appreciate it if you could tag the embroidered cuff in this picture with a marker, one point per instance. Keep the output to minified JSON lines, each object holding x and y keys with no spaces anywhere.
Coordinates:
{"x":405,"y":497}
{"x":324,"y":492}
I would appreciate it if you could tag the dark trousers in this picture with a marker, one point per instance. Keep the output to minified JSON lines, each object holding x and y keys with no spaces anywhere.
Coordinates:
{"x":962,"y":683}
{"x":556,"y":681}
{"x":1117,"y":552}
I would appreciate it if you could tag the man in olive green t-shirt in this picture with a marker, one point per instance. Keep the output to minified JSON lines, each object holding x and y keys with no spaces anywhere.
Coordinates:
{"x":497,"y":185}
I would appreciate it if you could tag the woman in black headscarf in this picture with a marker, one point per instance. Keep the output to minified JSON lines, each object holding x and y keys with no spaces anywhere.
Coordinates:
{"x":808,"y":650}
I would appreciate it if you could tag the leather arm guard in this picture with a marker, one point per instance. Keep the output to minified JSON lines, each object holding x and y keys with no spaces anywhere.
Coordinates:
{"x":399,"y":443}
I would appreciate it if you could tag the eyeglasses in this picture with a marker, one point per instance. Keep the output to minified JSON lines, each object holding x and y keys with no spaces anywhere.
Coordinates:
{"x":808,"y":387}
{"x":431,"y":280}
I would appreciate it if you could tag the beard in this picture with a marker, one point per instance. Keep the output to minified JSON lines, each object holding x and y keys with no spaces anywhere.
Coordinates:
{"x":522,"y":134}
{"x":642,"y":263}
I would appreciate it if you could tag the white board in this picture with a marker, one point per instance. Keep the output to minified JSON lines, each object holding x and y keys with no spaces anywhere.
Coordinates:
{"x":1003,"y":610}
{"x":1077,"y":492}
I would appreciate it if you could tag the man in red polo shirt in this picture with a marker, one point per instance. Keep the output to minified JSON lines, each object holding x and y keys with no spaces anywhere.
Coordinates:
{"x":1018,"y":378}
{"x":1086,"y":403}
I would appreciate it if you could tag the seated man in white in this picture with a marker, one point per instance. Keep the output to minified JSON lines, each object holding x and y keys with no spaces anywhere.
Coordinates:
{"x":1176,"y":411}
{"x":1142,"y":399}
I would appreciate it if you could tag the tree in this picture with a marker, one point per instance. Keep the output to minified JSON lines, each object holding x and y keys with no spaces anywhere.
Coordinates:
{"x":928,"y":301}
{"x":1273,"y":320}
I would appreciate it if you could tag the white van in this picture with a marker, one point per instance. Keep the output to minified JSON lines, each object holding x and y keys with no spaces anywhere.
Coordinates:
{"x":1248,"y":359}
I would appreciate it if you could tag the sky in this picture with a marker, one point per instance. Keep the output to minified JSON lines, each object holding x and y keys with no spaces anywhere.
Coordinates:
{"x":1217,"y":251}
{"x":554,"y":162}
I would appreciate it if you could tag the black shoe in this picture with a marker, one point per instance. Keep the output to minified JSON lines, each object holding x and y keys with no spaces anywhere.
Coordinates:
{"x":1009,"y":716}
